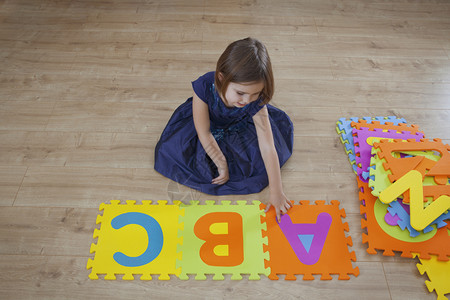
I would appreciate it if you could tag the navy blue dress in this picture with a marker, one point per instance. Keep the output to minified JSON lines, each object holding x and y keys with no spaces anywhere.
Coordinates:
{"x":180,"y":156}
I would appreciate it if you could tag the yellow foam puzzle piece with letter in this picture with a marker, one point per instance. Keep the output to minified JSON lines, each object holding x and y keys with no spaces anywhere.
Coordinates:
{"x":437,"y":272}
{"x":120,"y":247}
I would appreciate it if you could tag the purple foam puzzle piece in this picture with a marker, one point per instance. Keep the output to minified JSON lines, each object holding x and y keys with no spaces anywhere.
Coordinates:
{"x":391,"y":220}
{"x":364,"y":149}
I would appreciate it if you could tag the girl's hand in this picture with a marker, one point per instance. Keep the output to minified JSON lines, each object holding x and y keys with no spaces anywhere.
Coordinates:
{"x":223,"y":175}
{"x":280,"y":202}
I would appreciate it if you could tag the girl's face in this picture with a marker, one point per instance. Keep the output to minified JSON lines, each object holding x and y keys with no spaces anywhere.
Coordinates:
{"x":241,"y":94}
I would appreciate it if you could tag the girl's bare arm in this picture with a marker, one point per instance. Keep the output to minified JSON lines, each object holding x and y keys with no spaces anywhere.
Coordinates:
{"x":277,"y":198}
{"x":201,"y":121}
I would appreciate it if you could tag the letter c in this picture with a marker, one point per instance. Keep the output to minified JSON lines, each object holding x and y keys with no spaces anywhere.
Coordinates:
{"x":155,"y":238}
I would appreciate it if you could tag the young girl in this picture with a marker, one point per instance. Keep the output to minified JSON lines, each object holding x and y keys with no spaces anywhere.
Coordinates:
{"x":227,"y":139}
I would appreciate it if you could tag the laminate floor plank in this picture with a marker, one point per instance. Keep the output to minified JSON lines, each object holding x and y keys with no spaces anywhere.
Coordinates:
{"x":88,"y":187}
{"x":93,"y":88}
{"x":10,"y":180}
{"x":362,"y":94}
{"x":382,"y":27}
{"x":46,"y":231}
{"x":79,"y":149}
{"x":19,"y":115}
{"x":116,"y":117}
{"x":411,"y":70}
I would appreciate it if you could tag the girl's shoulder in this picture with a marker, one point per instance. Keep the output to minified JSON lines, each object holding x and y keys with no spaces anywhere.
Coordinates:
{"x":207,"y":77}
{"x":204,"y":86}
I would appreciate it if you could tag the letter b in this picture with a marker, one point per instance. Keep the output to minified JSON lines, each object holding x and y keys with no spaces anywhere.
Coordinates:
{"x":229,"y":237}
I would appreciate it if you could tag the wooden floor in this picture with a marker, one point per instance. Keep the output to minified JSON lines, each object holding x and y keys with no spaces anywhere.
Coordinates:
{"x":86,"y":88}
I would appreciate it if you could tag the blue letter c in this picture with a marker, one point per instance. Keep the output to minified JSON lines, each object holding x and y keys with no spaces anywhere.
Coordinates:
{"x":155,"y":238}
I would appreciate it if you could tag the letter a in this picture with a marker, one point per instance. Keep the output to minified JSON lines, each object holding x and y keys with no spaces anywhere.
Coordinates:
{"x":307,"y":240}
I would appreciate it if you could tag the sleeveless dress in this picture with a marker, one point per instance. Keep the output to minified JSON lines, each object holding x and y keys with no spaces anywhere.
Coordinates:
{"x":180,"y":156}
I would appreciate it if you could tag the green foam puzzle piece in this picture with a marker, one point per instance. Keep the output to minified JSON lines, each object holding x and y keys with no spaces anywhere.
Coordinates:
{"x":253,"y":254}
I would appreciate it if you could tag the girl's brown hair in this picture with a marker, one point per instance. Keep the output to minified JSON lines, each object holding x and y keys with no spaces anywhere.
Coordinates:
{"x":245,"y":60}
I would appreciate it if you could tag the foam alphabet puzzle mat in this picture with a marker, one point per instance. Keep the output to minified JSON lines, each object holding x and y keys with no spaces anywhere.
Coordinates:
{"x":403,"y":182}
{"x":219,"y":239}
{"x":214,"y":241}
{"x":382,"y":236}
{"x":136,"y":239}
{"x":310,"y":240}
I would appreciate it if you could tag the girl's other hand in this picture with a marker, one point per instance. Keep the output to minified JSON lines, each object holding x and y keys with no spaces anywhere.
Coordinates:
{"x":223,"y":175}
{"x":281,"y":204}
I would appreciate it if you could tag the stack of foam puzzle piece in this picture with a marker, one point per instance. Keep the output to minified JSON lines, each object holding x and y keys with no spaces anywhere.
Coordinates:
{"x":404,"y":188}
